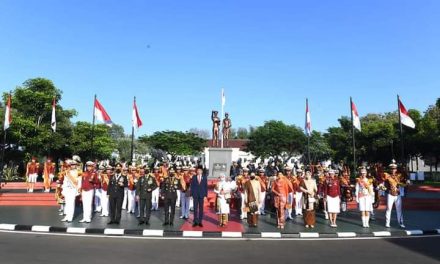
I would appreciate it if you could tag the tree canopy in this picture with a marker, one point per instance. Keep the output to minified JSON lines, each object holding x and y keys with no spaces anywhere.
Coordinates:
{"x":175,"y":142}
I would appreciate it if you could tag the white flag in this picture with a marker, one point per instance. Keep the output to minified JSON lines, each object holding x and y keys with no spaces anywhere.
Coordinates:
{"x":405,"y":119}
{"x":53,"y":122}
{"x":8,"y":118}
{"x":308,"y":126}
{"x":356,"y":119}
{"x":223,"y":97}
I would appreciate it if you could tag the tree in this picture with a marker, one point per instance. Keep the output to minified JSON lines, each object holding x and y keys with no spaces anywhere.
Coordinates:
{"x":429,"y":135}
{"x":319,"y":148}
{"x":202,"y":133}
{"x":242,"y":133}
{"x":103,"y":144}
{"x":175,"y":142}
{"x":30,"y":132}
{"x":276,"y":139}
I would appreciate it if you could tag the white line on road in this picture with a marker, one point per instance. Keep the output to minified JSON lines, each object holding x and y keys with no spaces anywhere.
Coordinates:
{"x":153,"y":233}
{"x":232,"y":234}
{"x":347,"y":234}
{"x":414,"y":232}
{"x":37,"y":228}
{"x":114,"y":232}
{"x":382,"y":234}
{"x":270,"y":235}
{"x":192,"y":233}
{"x":7,"y":227}
{"x":76,"y":230}
{"x":309,"y":235}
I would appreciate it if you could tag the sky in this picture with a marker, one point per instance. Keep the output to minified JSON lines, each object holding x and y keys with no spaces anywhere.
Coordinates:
{"x":269,"y":56}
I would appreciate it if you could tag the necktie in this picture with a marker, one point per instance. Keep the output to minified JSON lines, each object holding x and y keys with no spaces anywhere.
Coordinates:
{"x":199,"y":178}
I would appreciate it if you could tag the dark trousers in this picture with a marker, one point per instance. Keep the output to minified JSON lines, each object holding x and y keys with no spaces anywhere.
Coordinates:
{"x":198,"y":210}
{"x":115,"y":208}
{"x":169,"y":203}
{"x":145,"y":207}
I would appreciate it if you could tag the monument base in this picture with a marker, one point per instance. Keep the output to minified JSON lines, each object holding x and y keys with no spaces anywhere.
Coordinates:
{"x":220,"y":161}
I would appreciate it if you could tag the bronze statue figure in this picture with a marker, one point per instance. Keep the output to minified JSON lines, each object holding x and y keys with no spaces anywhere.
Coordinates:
{"x":226,"y":129}
{"x":215,"y":128}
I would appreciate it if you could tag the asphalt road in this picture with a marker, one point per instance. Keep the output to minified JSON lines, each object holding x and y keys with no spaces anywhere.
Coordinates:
{"x":41,"y":248}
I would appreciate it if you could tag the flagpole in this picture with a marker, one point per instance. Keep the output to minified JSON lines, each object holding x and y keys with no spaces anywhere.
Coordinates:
{"x":354,"y":140}
{"x":309,"y":132}
{"x":402,"y":146}
{"x":222,"y":116}
{"x":3,"y":156}
{"x":93,"y":130}
{"x":132,"y":133}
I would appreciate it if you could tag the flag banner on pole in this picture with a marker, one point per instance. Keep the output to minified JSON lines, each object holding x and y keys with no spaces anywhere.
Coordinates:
{"x":405,"y":119}
{"x":136,"y":120}
{"x":223,"y":97}
{"x":308,"y":126}
{"x":101,"y":114}
{"x":356,"y":119}
{"x":8,"y":117}
{"x":53,"y":122}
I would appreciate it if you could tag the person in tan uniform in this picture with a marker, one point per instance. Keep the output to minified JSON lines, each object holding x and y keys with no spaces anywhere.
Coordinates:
{"x":48,"y":174}
{"x":252,"y":193}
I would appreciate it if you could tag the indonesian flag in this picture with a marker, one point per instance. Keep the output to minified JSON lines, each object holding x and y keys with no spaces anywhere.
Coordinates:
{"x":308,"y":126}
{"x":405,"y":119}
{"x":135,"y":119}
{"x":356,"y":119}
{"x":223,"y":97}
{"x":53,"y":122}
{"x":8,"y":117}
{"x":101,"y":114}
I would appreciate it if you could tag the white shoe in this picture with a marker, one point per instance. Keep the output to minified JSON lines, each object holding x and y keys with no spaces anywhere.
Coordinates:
{"x":402,"y":225}
{"x":61,"y":214}
{"x":65,"y":220}
{"x":82,"y":221}
{"x":387,"y":226}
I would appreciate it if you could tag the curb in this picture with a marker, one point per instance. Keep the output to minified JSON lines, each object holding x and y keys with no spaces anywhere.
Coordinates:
{"x":201,"y":234}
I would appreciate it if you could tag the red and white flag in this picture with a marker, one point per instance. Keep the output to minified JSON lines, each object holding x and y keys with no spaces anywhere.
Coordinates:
{"x":356,"y":119}
{"x":53,"y":122}
{"x":308,"y":126}
{"x":405,"y":119}
{"x":8,"y":117}
{"x":101,"y":114}
{"x":135,"y":119}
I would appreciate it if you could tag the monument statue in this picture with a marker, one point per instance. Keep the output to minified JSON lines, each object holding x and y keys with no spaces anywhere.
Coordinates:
{"x":215,"y":128}
{"x":226,"y":129}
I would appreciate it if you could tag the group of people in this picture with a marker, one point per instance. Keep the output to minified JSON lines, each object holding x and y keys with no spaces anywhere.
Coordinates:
{"x":307,"y":191}
{"x":109,"y":190}
{"x":288,"y":192}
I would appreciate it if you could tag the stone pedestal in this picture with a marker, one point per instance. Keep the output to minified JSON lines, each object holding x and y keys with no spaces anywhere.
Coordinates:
{"x":220,"y":161}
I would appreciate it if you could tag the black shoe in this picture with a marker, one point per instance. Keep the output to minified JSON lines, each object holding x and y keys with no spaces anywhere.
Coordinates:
{"x":147,"y":223}
{"x":165,"y":224}
{"x":201,"y":225}
{"x":116,"y":222}
{"x":141,"y":222}
{"x":171,"y":223}
{"x":110,"y":223}
{"x":195,"y":224}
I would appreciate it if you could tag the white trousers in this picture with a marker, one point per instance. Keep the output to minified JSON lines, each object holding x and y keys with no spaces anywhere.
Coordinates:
{"x":243,"y":213}
{"x":69,"y":207}
{"x":87,"y":201}
{"x":124,"y":203}
{"x":262,"y":202}
{"x":131,"y":201}
{"x":104,"y":203}
{"x":390,"y":201}
{"x":98,"y":195}
{"x":155,"y":199}
{"x":178,"y":198}
{"x":298,"y":203}
{"x":33,"y":178}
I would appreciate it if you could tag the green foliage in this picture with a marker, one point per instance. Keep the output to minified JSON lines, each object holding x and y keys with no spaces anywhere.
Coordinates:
{"x":175,"y":143}
{"x":275,"y":139}
{"x":103,"y":144}
{"x":319,"y":148}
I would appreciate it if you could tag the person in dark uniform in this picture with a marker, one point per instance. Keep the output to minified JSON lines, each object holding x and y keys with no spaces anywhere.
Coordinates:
{"x":116,"y":194}
{"x":169,"y":188}
{"x":144,"y":188}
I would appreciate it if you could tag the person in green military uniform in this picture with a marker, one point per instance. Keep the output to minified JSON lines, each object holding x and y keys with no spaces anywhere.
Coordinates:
{"x":169,"y":188}
{"x":144,"y":188}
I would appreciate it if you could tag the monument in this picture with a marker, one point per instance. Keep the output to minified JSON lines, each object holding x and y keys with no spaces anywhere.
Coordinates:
{"x":220,"y":158}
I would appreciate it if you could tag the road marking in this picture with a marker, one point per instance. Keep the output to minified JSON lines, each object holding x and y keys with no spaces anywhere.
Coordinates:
{"x":192,"y":233}
{"x":438,"y":231}
{"x":232,"y":234}
{"x":382,"y":234}
{"x":114,"y":232}
{"x":347,"y":234}
{"x":37,"y":228}
{"x":216,"y":239}
{"x":76,"y":230}
{"x":270,"y":235}
{"x":309,"y":235}
{"x":7,"y":227}
{"x":414,"y":232}
{"x":154,"y":233}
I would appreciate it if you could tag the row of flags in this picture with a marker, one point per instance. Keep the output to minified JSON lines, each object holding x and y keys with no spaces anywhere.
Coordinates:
{"x":99,"y":113}
{"x":404,"y":117}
